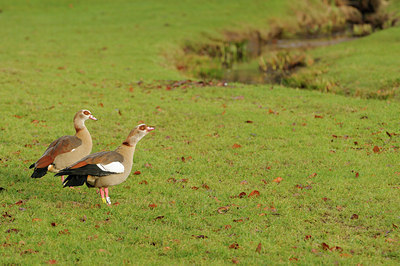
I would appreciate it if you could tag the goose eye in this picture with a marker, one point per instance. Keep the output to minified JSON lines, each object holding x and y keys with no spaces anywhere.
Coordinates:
{"x":142,"y":127}
{"x":86,"y":112}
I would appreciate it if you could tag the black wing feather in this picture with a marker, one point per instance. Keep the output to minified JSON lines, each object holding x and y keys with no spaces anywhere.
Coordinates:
{"x":89,"y":169}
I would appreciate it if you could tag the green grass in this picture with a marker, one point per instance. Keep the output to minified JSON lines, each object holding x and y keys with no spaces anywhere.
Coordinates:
{"x":62,"y":67}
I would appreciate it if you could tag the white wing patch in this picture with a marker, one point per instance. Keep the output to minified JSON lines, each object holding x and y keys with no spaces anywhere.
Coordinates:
{"x":72,"y":150}
{"x":115,"y":167}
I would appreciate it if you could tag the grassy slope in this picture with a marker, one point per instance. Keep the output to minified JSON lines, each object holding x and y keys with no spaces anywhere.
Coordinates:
{"x":203,"y":123}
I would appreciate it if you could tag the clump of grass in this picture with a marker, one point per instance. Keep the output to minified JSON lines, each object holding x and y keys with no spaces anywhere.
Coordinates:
{"x":281,"y":64}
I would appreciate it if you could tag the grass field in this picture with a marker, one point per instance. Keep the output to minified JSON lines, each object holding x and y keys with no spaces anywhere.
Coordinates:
{"x":319,"y":171}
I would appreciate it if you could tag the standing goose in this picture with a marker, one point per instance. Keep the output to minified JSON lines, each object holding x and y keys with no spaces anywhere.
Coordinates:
{"x":66,"y":150}
{"x":107,"y":168}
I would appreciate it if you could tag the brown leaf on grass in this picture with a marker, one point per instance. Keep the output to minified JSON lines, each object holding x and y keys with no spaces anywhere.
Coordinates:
{"x":336,"y":248}
{"x":36,"y":220}
{"x":101,"y":104}
{"x":137,"y":173}
{"x":223,"y":210}
{"x":205,"y":186}
{"x":148,"y":165}
{"x":236,"y":146}
{"x":325,"y":246}
{"x":345,"y":255}
{"x":258,"y":249}
{"x":20,"y":202}
{"x":53,"y":224}
{"x":152,"y":205}
{"x":242,"y":194}
{"x":28,"y":251}
{"x":318,"y":116}
{"x":116,"y":203}
{"x":13,"y":230}
{"x":312,"y":175}
{"x":51,"y":262}
{"x":354,"y":217}
{"x":293,"y":259}
{"x":83,"y":219}
{"x":228,"y":226}
{"x":143,"y":182}
{"x":64,"y":232}
{"x":376,"y":149}
{"x":235,"y":261}
{"x":390,"y":240}
{"x":159,"y":217}
{"x":254,"y":193}
{"x":194,"y":188}
{"x":277,"y":180}
{"x":244,"y":182}
{"x":249,"y":121}
{"x":357,"y":174}
{"x":307,"y":237}
{"x":200,"y":236}
{"x":234,"y":246}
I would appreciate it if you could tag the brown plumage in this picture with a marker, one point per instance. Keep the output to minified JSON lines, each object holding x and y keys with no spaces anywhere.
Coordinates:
{"x":66,"y":150}
{"x":108,"y":168}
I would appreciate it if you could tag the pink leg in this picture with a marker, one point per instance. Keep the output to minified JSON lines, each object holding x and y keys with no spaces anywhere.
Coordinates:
{"x":62,"y":179}
{"x":102,"y":195}
{"x":107,"y":197}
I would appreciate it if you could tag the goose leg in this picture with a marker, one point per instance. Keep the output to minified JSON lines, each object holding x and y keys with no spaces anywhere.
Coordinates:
{"x":62,"y":179}
{"x":102,"y":195}
{"x":108,"y":200}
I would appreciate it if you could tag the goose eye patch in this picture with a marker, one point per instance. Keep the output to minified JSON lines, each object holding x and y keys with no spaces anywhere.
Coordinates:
{"x":142,"y":127}
{"x":86,"y":112}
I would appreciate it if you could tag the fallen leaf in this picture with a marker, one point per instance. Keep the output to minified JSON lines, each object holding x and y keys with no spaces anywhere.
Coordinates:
{"x":236,"y":146}
{"x":205,"y":186}
{"x":51,"y":262}
{"x":376,"y":149}
{"x":249,"y":121}
{"x":53,"y":224}
{"x":235,"y":261}
{"x":223,"y":210}
{"x":354,"y":217}
{"x":318,"y":116}
{"x":325,"y":246}
{"x":137,"y":173}
{"x":242,"y":194}
{"x":200,"y":236}
{"x":36,"y":220}
{"x":234,"y":246}
{"x":357,"y":174}
{"x":152,"y":205}
{"x":254,"y":193}
{"x":312,"y":175}
{"x":194,"y":188}
{"x":277,"y":180}
{"x":293,"y":259}
{"x":336,"y":248}
{"x":307,"y":237}
{"x":159,"y":217}
{"x":389,"y":240}
{"x":64,"y":232}
{"x":258,"y":249}
{"x":244,"y":182}
{"x":143,"y":182}
{"x":345,"y":255}
{"x":228,"y":226}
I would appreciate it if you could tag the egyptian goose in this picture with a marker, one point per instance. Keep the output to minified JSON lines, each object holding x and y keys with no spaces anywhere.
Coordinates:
{"x":66,"y":150}
{"x":107,"y":168}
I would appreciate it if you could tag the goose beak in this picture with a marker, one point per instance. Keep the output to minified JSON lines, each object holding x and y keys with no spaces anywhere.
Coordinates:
{"x":92,"y":117}
{"x":150,"y":128}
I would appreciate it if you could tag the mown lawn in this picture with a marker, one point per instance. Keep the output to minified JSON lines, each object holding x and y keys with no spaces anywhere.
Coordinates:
{"x":319,"y":171}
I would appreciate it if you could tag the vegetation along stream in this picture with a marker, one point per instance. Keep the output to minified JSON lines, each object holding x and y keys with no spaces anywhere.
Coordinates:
{"x":274,"y":55}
